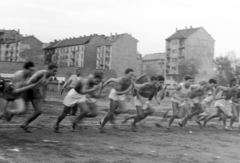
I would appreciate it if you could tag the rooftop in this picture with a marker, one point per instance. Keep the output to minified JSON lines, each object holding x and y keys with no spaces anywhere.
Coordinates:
{"x":183,"y":33}
{"x":154,"y":56}
{"x":80,"y":40}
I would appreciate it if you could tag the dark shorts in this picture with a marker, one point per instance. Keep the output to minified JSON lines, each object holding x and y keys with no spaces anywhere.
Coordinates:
{"x":9,"y":95}
{"x":32,"y":94}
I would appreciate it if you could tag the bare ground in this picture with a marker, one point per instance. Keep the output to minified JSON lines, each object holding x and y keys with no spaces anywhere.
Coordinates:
{"x":149,"y":144}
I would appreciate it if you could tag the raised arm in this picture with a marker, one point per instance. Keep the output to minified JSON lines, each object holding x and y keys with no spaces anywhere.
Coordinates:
{"x":85,"y":90}
{"x":115,"y":80}
{"x":139,"y":78}
{"x":19,"y":90}
{"x":68,"y":82}
{"x":139,"y":86}
{"x":36,"y":77}
{"x":224,"y":88}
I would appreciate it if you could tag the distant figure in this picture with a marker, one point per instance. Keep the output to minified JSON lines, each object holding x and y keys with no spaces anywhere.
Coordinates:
{"x":71,"y":83}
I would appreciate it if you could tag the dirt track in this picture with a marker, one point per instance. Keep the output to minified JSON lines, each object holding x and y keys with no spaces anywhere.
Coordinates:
{"x":149,"y":144}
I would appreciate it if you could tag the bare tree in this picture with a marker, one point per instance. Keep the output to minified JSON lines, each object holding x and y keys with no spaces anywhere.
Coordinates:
{"x":226,"y":67}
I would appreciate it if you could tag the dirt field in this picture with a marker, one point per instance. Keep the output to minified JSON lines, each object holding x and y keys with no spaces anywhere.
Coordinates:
{"x":149,"y":144}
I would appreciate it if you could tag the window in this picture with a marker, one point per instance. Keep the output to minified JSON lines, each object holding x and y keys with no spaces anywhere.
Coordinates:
{"x":174,"y":59}
{"x":79,"y":58}
{"x":174,"y":42}
{"x":104,"y":54}
{"x":174,"y":68}
{"x":173,"y":51}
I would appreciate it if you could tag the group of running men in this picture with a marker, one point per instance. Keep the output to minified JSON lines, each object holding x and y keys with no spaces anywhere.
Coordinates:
{"x":189,"y":100}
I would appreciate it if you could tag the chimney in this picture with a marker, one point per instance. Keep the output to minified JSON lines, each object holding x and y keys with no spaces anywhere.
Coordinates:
{"x":55,"y":40}
{"x":111,"y":36}
{"x":176,"y":29}
{"x":191,"y":27}
{"x":116,"y":33}
{"x":186,"y":27}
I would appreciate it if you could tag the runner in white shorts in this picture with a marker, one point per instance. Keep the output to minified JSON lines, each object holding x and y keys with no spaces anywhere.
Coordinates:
{"x":142,"y":98}
{"x":223,"y":105}
{"x":179,"y":98}
{"x":194,"y":100}
{"x":117,"y":97}
{"x":84,"y":96}
{"x":208,"y":100}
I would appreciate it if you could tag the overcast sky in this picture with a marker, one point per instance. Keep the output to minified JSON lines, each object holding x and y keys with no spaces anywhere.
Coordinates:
{"x":149,"y":21}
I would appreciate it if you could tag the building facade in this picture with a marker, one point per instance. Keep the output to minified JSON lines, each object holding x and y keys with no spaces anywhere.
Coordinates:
{"x":16,"y":48}
{"x":154,"y":64}
{"x":139,"y":69}
{"x":190,"y":43}
{"x":95,"y":52}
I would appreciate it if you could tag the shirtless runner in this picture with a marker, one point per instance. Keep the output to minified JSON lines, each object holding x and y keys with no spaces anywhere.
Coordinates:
{"x":117,"y":96}
{"x":142,"y":96}
{"x":15,"y":91}
{"x":207,"y":101}
{"x":179,"y":96}
{"x":34,"y":95}
{"x":194,"y":101}
{"x":82,"y":96}
{"x":222,"y":105}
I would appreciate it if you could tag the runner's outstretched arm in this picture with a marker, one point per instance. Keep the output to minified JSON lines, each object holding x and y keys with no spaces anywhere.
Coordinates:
{"x":19,"y":90}
{"x":140,"y":77}
{"x":109,"y":81}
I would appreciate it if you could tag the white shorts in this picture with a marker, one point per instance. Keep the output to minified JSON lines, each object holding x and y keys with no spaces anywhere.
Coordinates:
{"x":178,"y":100}
{"x":113,"y":95}
{"x":73,"y":98}
{"x":89,"y":99}
{"x":141,"y":101}
{"x":207,"y":108}
{"x":225,"y":106}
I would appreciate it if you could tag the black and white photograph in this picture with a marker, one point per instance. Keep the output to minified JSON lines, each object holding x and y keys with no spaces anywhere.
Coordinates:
{"x":119,"y":81}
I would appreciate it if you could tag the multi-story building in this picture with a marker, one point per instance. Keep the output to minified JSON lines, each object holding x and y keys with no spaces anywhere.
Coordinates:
{"x":16,"y":48}
{"x":190,"y":43}
{"x":154,"y":64}
{"x":115,"y":52}
{"x":139,"y":69}
{"x":9,"y":35}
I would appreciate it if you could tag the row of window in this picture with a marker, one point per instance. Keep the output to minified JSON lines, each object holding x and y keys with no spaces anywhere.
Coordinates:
{"x":104,"y":54}
{"x":9,"y":58}
{"x":70,"y":49}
